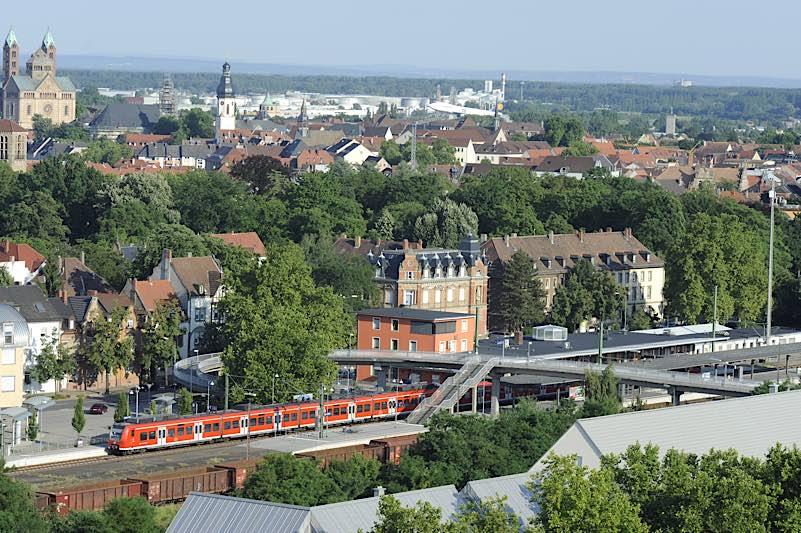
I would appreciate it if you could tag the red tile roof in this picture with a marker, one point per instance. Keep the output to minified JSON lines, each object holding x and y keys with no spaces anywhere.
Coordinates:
{"x":10,"y":125}
{"x":150,"y":293}
{"x":249,"y":240}
{"x":21,"y":252}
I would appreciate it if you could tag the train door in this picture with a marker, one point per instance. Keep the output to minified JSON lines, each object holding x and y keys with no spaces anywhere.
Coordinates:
{"x":161,"y":433}
{"x":351,"y":412}
{"x":198,"y":431}
{"x":243,"y":425}
{"x":392,"y":405}
{"x":277,"y":421}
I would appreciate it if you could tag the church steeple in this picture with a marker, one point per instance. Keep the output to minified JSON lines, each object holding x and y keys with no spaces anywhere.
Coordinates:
{"x":226,"y":104}
{"x":303,"y":121}
{"x":48,"y":41}
{"x":11,"y":38}
{"x":10,"y":57}
{"x":225,"y":89}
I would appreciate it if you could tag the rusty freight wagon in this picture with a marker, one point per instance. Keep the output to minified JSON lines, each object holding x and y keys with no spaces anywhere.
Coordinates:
{"x":176,"y":485}
{"x":88,"y":497}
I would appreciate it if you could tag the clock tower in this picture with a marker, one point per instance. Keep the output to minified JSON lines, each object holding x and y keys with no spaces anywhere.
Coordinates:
{"x":226,"y":104}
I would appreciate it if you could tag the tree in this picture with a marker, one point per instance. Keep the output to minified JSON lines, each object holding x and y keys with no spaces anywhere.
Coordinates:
{"x":78,"y":418}
{"x":110,"y":347}
{"x":54,"y":362}
{"x":422,"y":518}
{"x":158,"y":337}
{"x":580,"y":149}
{"x":282,"y":323}
{"x":17,"y":512}
{"x":444,"y":153}
{"x":445,"y":224}
{"x":355,"y":477}
{"x":287,"y":479}
{"x":198,"y":123}
{"x":263,"y":174}
{"x":153,"y":408}
{"x":384,"y":225}
{"x":487,"y":516}
{"x":572,"y":497}
{"x":131,"y":515}
{"x":6,"y":280}
{"x":33,"y":426}
{"x":639,"y":320}
{"x":390,"y":151}
{"x":522,"y":297}
{"x":123,"y":408}
{"x":81,"y":522}
{"x":586,"y":293}
{"x":107,"y":151}
{"x":601,"y":392}
{"x":53,"y":282}
{"x":167,"y":125}
{"x":184,"y":402}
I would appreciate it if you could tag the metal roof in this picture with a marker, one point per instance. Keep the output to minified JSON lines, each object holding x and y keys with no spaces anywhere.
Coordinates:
{"x":9,"y":315}
{"x":750,"y":425}
{"x":413,"y":314}
{"x":518,"y":497}
{"x":225,"y":514}
{"x":347,"y":517}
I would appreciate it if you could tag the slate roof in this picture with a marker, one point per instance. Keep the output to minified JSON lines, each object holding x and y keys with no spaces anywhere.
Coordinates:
{"x":351,"y":129}
{"x":573,"y":164}
{"x":225,"y":514}
{"x":33,"y":304}
{"x":79,"y":278}
{"x":117,"y":115}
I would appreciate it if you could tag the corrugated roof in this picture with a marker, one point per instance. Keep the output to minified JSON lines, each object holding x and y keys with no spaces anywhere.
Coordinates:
{"x":9,"y":315}
{"x":348,"y":517}
{"x":518,"y":497}
{"x":224,"y":514}
{"x":750,"y":425}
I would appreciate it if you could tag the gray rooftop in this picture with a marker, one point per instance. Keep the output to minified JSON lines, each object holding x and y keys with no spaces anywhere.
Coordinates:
{"x":9,"y":315}
{"x":414,"y":314}
{"x":518,"y":497}
{"x":32,"y":304}
{"x":117,"y":115}
{"x":224,"y":514}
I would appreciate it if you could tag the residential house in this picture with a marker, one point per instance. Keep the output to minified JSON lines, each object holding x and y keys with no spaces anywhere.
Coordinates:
{"x":633,"y":266}
{"x":78,"y":279}
{"x":15,"y":341}
{"x":529,"y":129}
{"x":21,"y":261}
{"x":118,"y":119}
{"x":137,"y":140}
{"x":509,"y":149}
{"x":312,"y":160}
{"x":409,"y":275}
{"x":170,"y":155}
{"x":50,"y":147}
{"x":574,"y":166}
{"x":248,"y":240}
{"x":47,"y":318}
{"x":197,"y":282}
{"x":350,"y":151}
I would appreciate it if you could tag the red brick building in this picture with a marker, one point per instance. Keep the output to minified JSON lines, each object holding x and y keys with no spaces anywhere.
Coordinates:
{"x":413,"y":330}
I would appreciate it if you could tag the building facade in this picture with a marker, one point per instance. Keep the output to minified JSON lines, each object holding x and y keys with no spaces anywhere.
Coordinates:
{"x":226,"y":103}
{"x":629,"y":262}
{"x":39,"y":91}
{"x":14,"y":145}
{"x":436,"y":279}
{"x":15,"y":340}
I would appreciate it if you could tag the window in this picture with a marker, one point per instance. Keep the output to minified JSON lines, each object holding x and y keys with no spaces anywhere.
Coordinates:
{"x":143,"y":435}
{"x":66,"y":110}
{"x":393,"y":345}
{"x":461,"y":294}
{"x":7,"y":384}
{"x":378,"y":272}
{"x":376,"y":343}
{"x":9,"y":356}
{"x":215,"y":426}
{"x":648,"y":292}
{"x":634,"y":277}
{"x":367,"y":408}
{"x":181,"y":430}
{"x":8,"y":334}
{"x":437,"y":296}
{"x":206,"y":428}
{"x":294,"y":416}
{"x":425,"y":296}
{"x":408,"y":297}
{"x":200,"y":314}
{"x":227,"y":425}
{"x":478,"y":295}
{"x":395,"y":324}
{"x":336,"y":411}
{"x":627,"y":277}
{"x":152,"y":435}
{"x":304,"y":415}
{"x":377,"y":406}
{"x":412,"y":346}
{"x":450,"y":271}
{"x":253,"y":422}
{"x":171,"y":432}
{"x":236,"y":424}
{"x":547,"y":283}
{"x":650,"y":275}
{"x":462,"y":271}
{"x":410,"y":275}
{"x":28,"y":109}
{"x":261,"y":420}
{"x":359,"y":409}
{"x":464,"y":345}
{"x":465,"y":326}
{"x":451,"y":346}
{"x":268,"y":420}
{"x":383,"y":405}
{"x":442,"y":346}
{"x":376,"y":323}
{"x":450,"y":295}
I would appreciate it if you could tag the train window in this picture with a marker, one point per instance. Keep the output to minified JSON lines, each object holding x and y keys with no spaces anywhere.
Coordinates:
{"x":383,"y":405}
{"x":261,"y":420}
{"x":269,"y":420}
{"x":359,"y":408}
{"x":367,"y":408}
{"x":236,"y":424}
{"x":171,"y":432}
{"x":180,"y":431}
{"x":143,"y":435}
{"x":227,"y":425}
{"x":207,"y":428}
{"x":188,"y":429}
{"x":336,"y":411}
{"x":216,"y":426}
{"x":152,"y":435}
{"x":294,"y":416}
{"x":304,"y":415}
{"x":252,"y":422}
{"x":377,"y":406}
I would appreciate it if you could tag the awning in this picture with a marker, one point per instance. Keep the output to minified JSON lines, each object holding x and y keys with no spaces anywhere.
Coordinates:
{"x":16,"y":413}
{"x":39,"y":402}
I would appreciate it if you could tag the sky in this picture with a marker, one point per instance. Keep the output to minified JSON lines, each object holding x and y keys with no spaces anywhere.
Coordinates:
{"x":710,"y":37}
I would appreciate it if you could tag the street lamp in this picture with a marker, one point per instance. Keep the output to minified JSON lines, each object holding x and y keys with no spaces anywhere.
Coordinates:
{"x":190,"y":370}
{"x":209,"y":385}
{"x":131,"y":392}
{"x":347,"y":367}
{"x":275,"y":376}
{"x":250,"y":396}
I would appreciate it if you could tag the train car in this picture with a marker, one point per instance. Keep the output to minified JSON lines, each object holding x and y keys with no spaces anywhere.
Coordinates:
{"x":172,"y":431}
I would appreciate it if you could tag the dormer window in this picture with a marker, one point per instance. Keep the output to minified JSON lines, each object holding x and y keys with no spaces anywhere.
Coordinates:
{"x":438,"y":272}
{"x":426,"y":272}
{"x":378,"y":272}
{"x":450,"y":271}
{"x":462,"y":271}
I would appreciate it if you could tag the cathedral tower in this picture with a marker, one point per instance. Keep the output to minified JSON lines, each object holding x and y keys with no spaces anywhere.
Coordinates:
{"x":226,"y":104}
{"x":10,"y":56}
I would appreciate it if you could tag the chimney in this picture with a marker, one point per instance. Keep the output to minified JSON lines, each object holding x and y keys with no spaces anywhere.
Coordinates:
{"x":379,"y":491}
{"x":627,"y":234}
{"x":550,"y":236}
{"x":357,"y":241}
{"x":405,"y":244}
{"x":166,"y":259}
{"x":6,"y":246}
{"x":506,"y":240}
{"x":83,"y":257}
{"x":91,"y":292}
{"x":581,"y":235}
{"x":419,"y":244}
{"x":64,"y":297}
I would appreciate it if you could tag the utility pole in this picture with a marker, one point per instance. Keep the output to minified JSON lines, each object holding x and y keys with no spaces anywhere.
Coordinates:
{"x":771,"y":196}
{"x":714,"y":316}
{"x":226,"y":390}
{"x":413,"y":161}
{"x":600,"y":342}
{"x":321,"y":418}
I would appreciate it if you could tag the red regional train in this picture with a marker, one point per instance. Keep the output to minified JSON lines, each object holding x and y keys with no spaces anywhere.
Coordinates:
{"x":173,"y":431}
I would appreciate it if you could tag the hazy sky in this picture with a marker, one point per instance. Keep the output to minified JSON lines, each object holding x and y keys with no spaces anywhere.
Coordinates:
{"x":714,"y":37}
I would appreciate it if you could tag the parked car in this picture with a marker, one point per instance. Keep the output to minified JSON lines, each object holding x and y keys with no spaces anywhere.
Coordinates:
{"x":98,"y":409}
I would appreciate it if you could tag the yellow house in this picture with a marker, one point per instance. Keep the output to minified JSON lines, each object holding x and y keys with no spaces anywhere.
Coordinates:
{"x":13,"y":341}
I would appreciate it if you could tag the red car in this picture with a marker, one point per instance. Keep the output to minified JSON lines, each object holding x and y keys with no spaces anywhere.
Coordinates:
{"x":98,"y":409}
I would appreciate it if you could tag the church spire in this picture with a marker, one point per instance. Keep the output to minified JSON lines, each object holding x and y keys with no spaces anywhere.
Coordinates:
{"x":225,"y":89}
{"x":47,"y":40}
{"x":11,"y":38}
